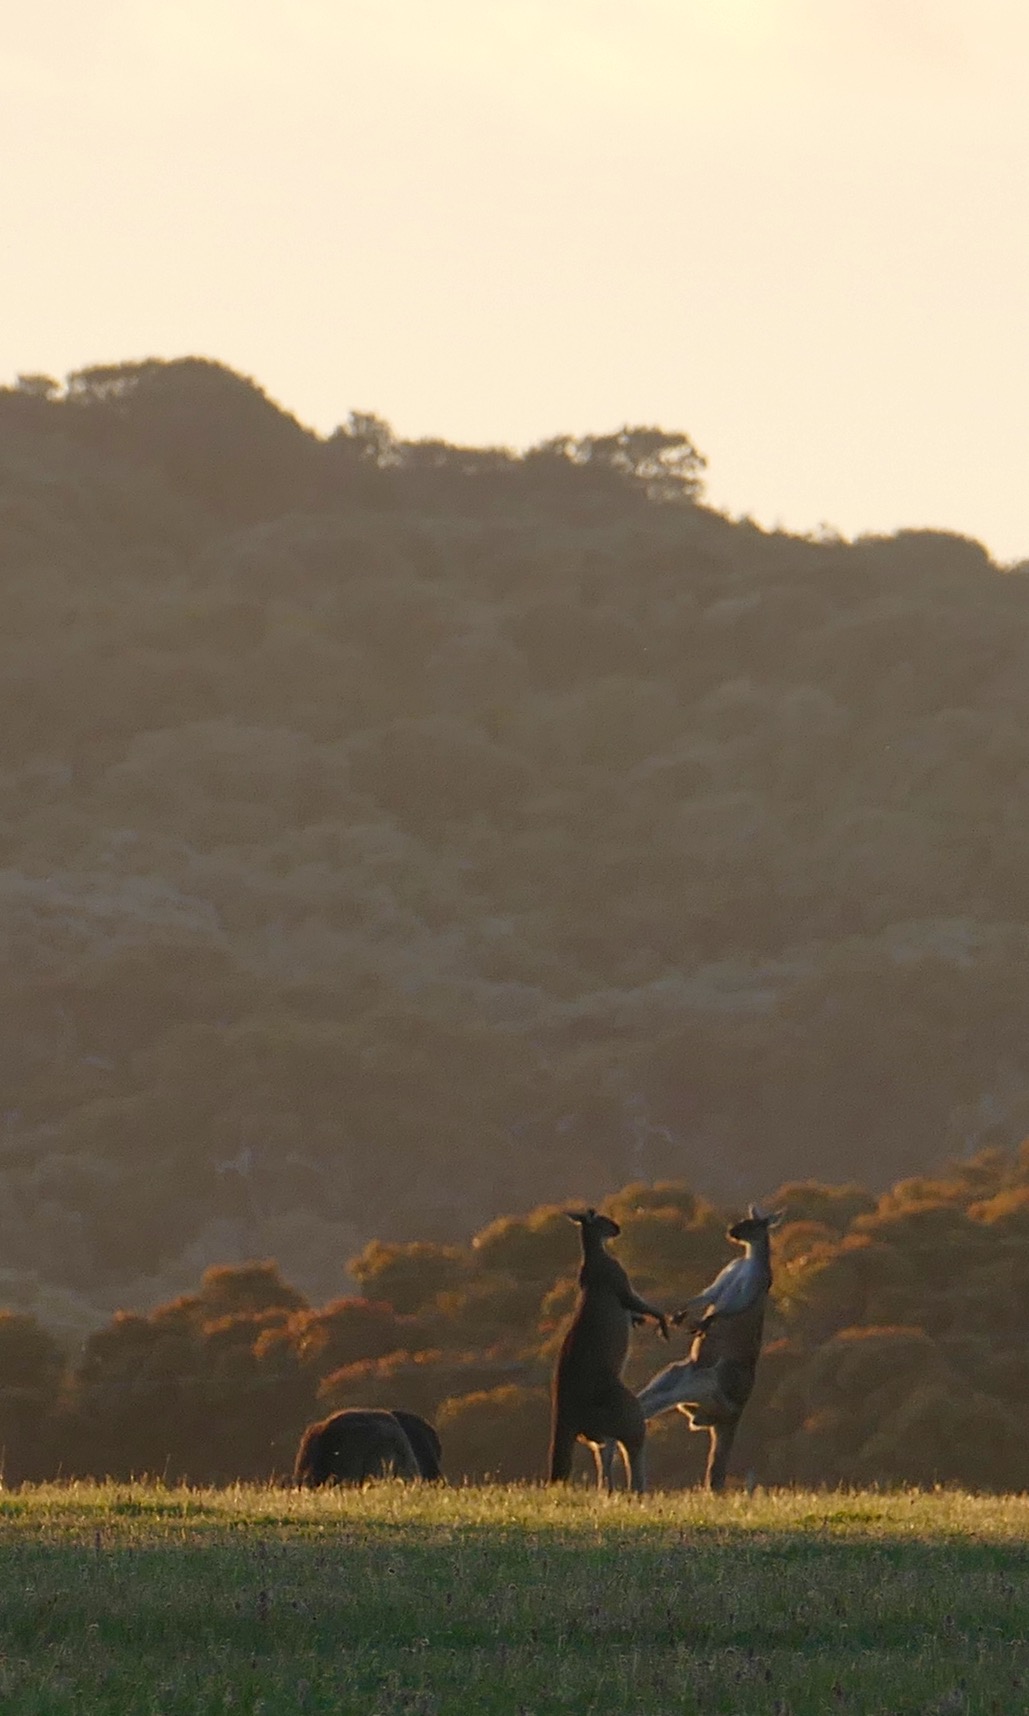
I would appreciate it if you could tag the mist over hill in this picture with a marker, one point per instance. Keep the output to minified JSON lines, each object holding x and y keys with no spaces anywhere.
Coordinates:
{"x":395,"y":834}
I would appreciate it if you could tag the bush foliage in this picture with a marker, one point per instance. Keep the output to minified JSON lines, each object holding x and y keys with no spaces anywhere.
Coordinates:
{"x":895,"y":1347}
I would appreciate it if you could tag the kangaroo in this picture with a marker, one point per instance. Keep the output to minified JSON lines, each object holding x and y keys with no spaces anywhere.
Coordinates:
{"x":425,"y":1444}
{"x":591,"y":1402}
{"x":352,"y":1446}
{"x":712,"y":1386}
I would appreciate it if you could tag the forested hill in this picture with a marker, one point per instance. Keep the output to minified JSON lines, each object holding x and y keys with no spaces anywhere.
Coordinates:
{"x":398,"y":834}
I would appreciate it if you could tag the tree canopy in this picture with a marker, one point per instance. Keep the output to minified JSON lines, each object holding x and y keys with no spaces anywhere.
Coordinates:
{"x":895,"y":1349}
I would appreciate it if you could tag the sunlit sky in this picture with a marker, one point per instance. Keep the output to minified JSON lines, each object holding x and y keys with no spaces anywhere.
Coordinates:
{"x":797,"y":229}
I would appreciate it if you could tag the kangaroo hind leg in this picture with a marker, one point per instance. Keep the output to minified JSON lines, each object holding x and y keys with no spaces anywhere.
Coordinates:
{"x":610,"y":1454}
{"x":562,"y":1446}
{"x":636,"y":1459}
{"x":633,"y":1437}
{"x":722,"y":1438}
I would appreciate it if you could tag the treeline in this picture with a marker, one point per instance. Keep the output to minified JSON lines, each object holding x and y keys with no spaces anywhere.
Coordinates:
{"x":396,"y":833}
{"x":896,"y":1346}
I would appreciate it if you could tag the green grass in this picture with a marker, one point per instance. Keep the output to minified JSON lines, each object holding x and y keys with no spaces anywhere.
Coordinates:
{"x":157,"y":1602}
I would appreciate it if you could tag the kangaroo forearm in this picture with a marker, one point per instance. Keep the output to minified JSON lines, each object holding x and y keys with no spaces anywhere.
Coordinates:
{"x":640,"y":1308}
{"x":695,"y":1311}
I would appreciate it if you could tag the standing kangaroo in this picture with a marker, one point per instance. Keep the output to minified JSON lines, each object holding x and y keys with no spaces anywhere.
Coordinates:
{"x":591,"y":1402}
{"x":712,"y":1386}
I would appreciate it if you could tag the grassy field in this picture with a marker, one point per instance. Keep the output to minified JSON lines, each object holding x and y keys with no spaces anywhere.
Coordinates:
{"x":159,"y":1602}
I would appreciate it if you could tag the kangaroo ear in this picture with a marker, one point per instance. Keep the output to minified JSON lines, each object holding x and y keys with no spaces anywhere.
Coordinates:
{"x":753,"y":1213}
{"x":581,"y":1216}
{"x":777,"y":1218}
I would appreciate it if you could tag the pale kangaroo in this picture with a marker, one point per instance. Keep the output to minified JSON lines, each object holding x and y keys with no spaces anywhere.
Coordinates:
{"x":591,"y":1402}
{"x":712,"y":1386}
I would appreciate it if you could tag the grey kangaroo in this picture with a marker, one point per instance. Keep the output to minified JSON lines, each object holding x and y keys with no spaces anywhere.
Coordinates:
{"x":357,"y":1444}
{"x":591,"y":1402}
{"x":712,"y":1386}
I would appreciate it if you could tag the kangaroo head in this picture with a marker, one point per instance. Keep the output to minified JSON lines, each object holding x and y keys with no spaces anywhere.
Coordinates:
{"x":754,"y":1225}
{"x":591,"y":1222}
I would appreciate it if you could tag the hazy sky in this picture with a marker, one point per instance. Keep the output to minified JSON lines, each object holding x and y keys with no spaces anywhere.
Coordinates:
{"x":798,"y":229}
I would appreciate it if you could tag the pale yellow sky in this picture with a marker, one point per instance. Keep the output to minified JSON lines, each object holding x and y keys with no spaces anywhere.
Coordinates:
{"x":798,"y":229}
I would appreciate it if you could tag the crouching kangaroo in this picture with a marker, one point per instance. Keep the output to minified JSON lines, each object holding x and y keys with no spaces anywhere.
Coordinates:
{"x":365,"y":1442}
{"x":712,"y":1386}
{"x":591,"y":1402}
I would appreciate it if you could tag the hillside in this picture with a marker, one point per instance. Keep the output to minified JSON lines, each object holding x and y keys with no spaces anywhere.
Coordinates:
{"x":398,"y":834}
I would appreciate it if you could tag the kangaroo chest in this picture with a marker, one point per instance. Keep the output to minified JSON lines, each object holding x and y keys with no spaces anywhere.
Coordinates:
{"x":737,"y":1338}
{"x":598,"y":1339}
